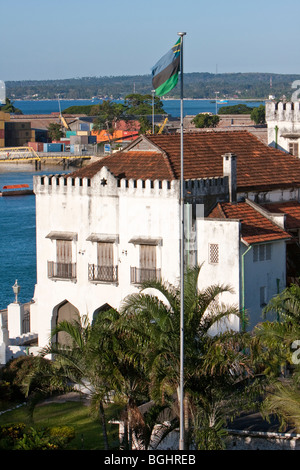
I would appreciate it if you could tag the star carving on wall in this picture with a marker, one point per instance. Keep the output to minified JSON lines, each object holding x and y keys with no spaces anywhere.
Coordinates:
{"x":103,"y":182}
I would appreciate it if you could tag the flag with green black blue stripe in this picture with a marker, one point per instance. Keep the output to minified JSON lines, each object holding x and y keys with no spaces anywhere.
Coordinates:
{"x":165,"y":72}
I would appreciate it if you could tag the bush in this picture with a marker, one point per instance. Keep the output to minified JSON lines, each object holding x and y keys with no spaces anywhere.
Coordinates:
{"x":20,"y":437}
{"x":64,"y":434}
{"x":12,"y":431}
{"x":10,"y":434}
{"x":6,"y":393}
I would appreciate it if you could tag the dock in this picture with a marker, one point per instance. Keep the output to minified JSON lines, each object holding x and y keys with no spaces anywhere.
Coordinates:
{"x":29,"y":155}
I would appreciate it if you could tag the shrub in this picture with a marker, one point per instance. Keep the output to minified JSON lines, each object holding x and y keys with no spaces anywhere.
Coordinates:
{"x":35,"y":440}
{"x":12,"y":431}
{"x":10,"y":434}
{"x":20,"y":437}
{"x":62,"y":434}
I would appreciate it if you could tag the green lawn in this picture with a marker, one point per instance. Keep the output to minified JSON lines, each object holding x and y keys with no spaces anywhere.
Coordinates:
{"x":88,"y":430}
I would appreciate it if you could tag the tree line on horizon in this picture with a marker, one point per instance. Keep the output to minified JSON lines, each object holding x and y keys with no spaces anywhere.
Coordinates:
{"x":196,"y":85}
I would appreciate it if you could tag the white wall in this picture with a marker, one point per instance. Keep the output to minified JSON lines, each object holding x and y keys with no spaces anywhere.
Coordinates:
{"x":128,"y":212}
{"x":225,"y":233}
{"x":230,"y":270}
{"x":263,"y":274}
{"x":286,"y":116}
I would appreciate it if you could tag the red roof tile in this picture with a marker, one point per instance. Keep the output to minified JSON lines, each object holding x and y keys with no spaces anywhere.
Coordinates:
{"x":259,"y":167}
{"x":255,"y":227}
{"x":291,"y":209}
{"x":131,"y":165}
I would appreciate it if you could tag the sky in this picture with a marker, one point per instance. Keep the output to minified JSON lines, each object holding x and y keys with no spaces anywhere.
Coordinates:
{"x":57,"y":39}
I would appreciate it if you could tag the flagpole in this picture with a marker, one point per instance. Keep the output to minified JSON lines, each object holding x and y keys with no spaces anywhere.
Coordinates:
{"x":181,"y":384}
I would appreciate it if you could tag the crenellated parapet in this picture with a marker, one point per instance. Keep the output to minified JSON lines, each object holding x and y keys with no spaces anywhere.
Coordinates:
{"x":64,"y":184}
{"x":284,"y":111}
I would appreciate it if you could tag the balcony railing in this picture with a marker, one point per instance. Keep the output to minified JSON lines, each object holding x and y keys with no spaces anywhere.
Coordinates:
{"x":139,"y":275}
{"x":103,"y":273}
{"x":61,"y":270}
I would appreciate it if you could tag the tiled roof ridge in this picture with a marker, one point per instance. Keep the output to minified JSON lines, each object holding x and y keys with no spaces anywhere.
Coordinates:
{"x":164,"y":154}
{"x":281,"y":232}
{"x":220,"y":208}
{"x":114,"y":163}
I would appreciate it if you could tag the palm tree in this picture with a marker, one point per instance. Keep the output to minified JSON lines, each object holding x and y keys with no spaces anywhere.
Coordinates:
{"x":74,"y":364}
{"x":124,"y":373}
{"x":279,"y":333}
{"x":152,"y":320}
{"x":277,"y":340}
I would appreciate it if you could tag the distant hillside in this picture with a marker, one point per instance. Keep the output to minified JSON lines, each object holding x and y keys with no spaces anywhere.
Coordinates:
{"x":196,"y":85}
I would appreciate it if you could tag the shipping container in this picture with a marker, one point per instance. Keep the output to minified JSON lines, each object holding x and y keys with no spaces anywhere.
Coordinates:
{"x":70,"y":133}
{"x":50,"y":147}
{"x":83,"y":126}
{"x":79,"y":139}
{"x":37,"y":146}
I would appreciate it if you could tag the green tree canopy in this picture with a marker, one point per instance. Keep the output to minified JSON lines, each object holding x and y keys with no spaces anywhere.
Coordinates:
{"x":206,"y":120}
{"x":8,"y":107}
{"x":258,"y":115}
{"x":236,"y":109}
{"x":54,"y":131}
{"x":140,"y":105}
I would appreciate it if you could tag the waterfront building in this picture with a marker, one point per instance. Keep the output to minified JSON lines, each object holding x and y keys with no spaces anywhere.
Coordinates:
{"x":105,"y":228}
{"x":283,"y":121}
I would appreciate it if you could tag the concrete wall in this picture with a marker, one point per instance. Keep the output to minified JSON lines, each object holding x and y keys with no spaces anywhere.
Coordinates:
{"x":124,"y":212}
{"x":226,"y":235}
{"x":286,"y":117}
{"x":268,"y":274}
{"x":247,"y":281}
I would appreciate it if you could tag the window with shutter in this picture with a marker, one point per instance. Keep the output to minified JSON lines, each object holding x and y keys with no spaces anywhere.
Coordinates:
{"x":63,"y":251}
{"x":294,"y":148}
{"x":147,"y":257}
{"x":104,"y":270}
{"x":262,"y":252}
{"x":105,"y":254}
{"x":63,"y":267}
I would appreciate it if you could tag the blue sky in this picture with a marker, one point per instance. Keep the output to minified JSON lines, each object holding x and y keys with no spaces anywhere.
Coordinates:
{"x":51,"y":39}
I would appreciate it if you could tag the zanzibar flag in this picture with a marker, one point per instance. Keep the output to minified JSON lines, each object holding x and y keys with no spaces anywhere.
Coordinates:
{"x":165,"y":72}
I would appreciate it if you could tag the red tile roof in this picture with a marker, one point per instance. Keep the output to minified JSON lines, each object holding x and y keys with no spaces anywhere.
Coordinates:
{"x":259,"y":167}
{"x":131,"y":165}
{"x":255,"y":228}
{"x":291,"y":209}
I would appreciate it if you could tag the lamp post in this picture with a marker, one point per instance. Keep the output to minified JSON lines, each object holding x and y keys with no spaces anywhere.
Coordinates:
{"x":16,"y":289}
{"x":153,"y":93}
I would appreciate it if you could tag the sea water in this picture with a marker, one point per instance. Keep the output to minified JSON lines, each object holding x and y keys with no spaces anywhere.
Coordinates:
{"x":17,"y":233}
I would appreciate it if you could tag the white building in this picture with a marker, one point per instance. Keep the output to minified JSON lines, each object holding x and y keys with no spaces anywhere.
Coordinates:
{"x":243,"y":246}
{"x":283,"y":121}
{"x":105,"y":228}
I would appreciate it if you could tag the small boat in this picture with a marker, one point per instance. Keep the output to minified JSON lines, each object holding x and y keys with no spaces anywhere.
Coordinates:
{"x":16,"y":190}
{"x":222,"y":101}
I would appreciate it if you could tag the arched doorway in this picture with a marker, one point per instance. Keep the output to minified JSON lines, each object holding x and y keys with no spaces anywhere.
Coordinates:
{"x":64,"y":312}
{"x":103,"y":308}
